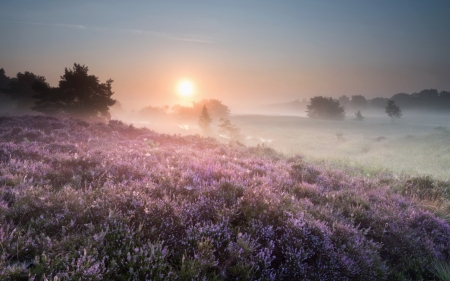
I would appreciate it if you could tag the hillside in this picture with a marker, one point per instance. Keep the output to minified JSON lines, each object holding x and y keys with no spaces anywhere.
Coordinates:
{"x":115,"y":202}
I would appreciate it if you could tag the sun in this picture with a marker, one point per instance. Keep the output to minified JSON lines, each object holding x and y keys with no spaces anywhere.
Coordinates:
{"x":185,"y":88}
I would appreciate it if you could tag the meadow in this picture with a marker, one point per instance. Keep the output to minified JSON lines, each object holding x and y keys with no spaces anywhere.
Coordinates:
{"x":416,"y":144}
{"x":96,"y":201}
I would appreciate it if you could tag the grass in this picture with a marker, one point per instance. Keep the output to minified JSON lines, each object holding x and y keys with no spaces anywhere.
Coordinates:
{"x":442,"y":271}
{"x":411,"y":145}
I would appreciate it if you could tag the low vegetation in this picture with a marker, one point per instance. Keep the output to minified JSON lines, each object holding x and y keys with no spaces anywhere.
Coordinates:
{"x":415,"y":145}
{"x":98,"y":201}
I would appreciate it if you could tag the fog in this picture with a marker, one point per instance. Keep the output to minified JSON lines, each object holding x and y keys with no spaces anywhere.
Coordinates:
{"x":415,"y":144}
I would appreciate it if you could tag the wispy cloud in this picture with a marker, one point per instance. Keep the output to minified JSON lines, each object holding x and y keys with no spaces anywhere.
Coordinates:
{"x":165,"y":35}
{"x":77,"y":26}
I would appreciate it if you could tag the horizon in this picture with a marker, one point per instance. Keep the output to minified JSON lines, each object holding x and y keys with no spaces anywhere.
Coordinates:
{"x":237,"y":52}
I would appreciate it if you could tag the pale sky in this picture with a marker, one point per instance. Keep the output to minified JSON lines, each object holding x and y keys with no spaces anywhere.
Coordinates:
{"x":239,"y":52}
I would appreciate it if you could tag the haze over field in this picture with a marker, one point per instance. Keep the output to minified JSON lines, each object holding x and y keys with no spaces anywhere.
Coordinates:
{"x":240,"y":52}
{"x":225,"y":140}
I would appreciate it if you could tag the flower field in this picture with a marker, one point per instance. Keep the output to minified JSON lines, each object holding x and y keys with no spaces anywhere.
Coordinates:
{"x":85,"y":201}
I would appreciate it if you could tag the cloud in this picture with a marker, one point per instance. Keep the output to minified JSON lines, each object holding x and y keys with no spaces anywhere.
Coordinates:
{"x":165,"y":35}
{"x":186,"y":38}
{"x":77,"y":26}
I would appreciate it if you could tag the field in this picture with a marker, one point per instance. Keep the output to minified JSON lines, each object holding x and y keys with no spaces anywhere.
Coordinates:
{"x":85,"y":201}
{"x":416,"y":144}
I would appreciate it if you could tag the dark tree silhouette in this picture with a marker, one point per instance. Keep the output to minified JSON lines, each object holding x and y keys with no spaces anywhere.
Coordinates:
{"x":428,"y":99}
{"x":79,"y":95}
{"x":327,"y":108}
{"x":344,"y":100}
{"x":4,"y":80}
{"x":358,"y":102}
{"x":393,"y":110}
{"x":378,"y":102}
{"x":204,"y":120}
{"x":6,"y":103}
{"x":20,"y":89}
{"x":359,"y":116}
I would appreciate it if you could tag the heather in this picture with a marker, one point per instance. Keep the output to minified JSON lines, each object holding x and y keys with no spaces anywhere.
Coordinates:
{"x":96,"y":201}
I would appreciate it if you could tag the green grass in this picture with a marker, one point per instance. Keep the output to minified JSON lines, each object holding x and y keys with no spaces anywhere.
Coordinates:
{"x":442,"y":271}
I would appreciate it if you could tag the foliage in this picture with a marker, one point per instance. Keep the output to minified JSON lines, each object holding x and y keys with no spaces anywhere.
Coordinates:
{"x":79,"y":95}
{"x":393,"y":110}
{"x":323,"y":107}
{"x":21,"y":89}
{"x":216,"y":109}
{"x":4,"y":80}
{"x":344,"y":100}
{"x":358,"y":102}
{"x":359,"y":116}
{"x":204,"y":121}
{"x":378,"y":103}
{"x":442,"y":271}
{"x":232,"y":131}
{"x":6,"y":103}
{"x":95,"y":201}
{"x":427,"y":99}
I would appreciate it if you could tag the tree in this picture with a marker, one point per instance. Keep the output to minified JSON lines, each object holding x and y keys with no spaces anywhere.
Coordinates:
{"x":21,"y":90}
{"x":6,"y":103}
{"x":153,"y":112}
{"x":378,"y":102}
{"x":403,"y":99}
{"x":359,"y":116}
{"x":229,"y":129}
{"x":79,"y":95}
{"x":215,"y":108}
{"x":393,"y":110}
{"x":344,"y":100}
{"x":4,"y":80}
{"x":327,"y":108}
{"x":358,"y":102}
{"x":204,"y":120}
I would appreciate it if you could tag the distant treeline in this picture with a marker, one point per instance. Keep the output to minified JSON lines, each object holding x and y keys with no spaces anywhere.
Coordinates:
{"x":28,"y":93}
{"x":429,"y":99}
{"x":78,"y":94}
{"x":426,"y":100}
{"x":216,"y":110}
{"x":81,"y":95}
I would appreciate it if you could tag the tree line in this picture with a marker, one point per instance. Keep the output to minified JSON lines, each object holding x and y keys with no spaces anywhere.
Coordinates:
{"x":82,"y":95}
{"x":428,"y":99}
{"x":78,"y":94}
{"x":329,"y":108}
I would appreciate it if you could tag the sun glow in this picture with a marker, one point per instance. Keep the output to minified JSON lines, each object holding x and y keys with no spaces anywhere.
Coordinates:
{"x":185,"y":88}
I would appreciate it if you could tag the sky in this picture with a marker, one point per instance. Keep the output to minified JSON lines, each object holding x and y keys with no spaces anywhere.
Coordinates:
{"x":237,"y":51}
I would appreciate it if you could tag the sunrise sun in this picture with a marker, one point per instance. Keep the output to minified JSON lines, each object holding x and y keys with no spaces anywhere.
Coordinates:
{"x":185,"y":88}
